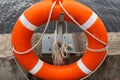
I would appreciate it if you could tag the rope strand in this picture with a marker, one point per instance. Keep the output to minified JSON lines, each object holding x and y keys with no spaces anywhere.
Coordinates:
{"x":94,"y":50}
{"x":50,"y":14}
{"x":20,"y":69}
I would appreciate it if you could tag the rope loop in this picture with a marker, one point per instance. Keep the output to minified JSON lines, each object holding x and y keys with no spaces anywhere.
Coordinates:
{"x":63,"y":50}
{"x":102,"y":42}
{"x":50,"y":14}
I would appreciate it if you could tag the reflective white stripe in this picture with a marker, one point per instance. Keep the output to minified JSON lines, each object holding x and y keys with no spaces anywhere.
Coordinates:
{"x":37,"y":67}
{"x":83,"y":67}
{"x":90,"y":21}
{"x":27,"y":24}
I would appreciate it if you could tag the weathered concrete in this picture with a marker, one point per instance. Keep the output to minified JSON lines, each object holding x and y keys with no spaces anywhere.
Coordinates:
{"x":9,"y":70}
{"x":110,"y":69}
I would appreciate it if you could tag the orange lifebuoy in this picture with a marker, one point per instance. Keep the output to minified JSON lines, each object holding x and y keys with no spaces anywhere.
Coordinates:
{"x":37,"y":15}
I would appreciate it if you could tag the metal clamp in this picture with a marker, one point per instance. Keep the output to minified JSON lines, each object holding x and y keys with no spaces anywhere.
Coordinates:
{"x":60,"y":28}
{"x":48,"y":39}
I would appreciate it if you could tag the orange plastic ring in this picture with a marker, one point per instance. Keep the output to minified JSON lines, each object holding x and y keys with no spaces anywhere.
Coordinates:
{"x":36,"y":16}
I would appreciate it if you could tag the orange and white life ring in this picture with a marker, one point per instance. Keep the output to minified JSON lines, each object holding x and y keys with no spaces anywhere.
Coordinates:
{"x":36,"y":16}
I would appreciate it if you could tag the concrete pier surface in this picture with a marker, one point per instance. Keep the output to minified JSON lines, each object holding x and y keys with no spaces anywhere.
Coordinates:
{"x":109,"y":70}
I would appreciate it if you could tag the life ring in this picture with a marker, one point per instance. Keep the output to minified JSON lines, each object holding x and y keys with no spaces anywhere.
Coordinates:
{"x":36,"y":16}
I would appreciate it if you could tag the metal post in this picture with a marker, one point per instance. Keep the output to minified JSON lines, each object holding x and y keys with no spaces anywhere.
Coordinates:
{"x":60,"y":28}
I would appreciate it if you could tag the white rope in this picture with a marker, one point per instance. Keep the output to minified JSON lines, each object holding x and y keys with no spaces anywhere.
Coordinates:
{"x":64,"y":50}
{"x":97,"y":66}
{"x":94,"y":50}
{"x":56,"y":54}
{"x":58,"y":58}
{"x":50,"y":14}
{"x":64,"y":47}
{"x":83,"y":29}
{"x":21,"y":69}
{"x":98,"y":50}
{"x":64,"y":44}
{"x":58,"y":51}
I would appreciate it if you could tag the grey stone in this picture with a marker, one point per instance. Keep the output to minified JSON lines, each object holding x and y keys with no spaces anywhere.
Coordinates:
{"x":109,"y":70}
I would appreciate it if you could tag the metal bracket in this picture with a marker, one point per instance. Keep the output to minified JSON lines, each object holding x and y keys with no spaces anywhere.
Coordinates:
{"x":48,"y":39}
{"x":60,"y":28}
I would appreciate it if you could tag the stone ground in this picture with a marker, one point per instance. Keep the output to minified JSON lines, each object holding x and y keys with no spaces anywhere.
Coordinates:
{"x":109,"y":70}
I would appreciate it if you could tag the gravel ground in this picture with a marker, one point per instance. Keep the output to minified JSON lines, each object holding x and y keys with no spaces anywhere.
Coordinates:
{"x":108,"y":10}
